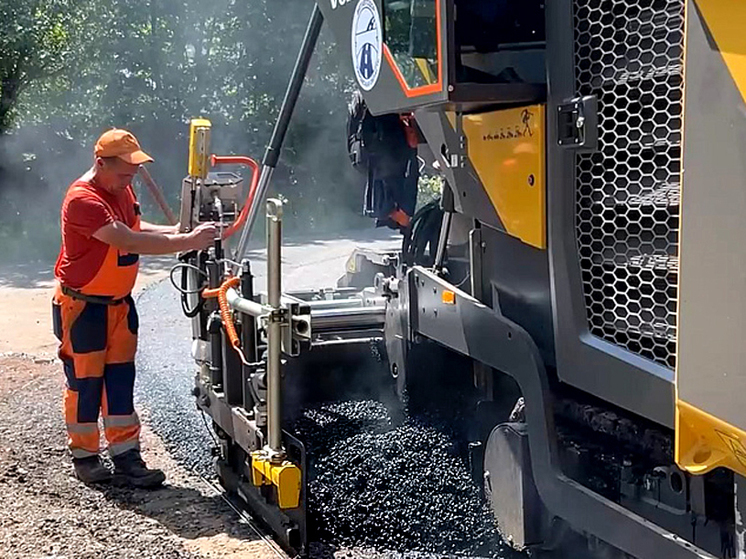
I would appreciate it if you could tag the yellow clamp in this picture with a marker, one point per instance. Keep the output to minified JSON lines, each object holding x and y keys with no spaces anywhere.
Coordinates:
{"x":285,"y":476}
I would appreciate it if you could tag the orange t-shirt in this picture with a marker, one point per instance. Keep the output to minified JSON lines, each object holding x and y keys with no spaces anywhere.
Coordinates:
{"x":85,"y":263}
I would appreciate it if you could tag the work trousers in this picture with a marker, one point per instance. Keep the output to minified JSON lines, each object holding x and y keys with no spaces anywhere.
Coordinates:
{"x":97,"y":348}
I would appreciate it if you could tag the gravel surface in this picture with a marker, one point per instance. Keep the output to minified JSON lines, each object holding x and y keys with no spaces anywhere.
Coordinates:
{"x":46,"y":512}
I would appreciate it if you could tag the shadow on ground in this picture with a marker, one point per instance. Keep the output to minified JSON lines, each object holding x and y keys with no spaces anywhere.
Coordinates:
{"x":184,"y":511}
{"x":29,"y":274}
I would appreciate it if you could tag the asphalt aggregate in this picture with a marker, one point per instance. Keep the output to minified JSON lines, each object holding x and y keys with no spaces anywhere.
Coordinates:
{"x":392,"y":483}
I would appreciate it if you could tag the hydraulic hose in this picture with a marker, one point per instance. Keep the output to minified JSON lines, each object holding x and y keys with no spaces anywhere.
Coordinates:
{"x":421,"y":238}
{"x":254,"y":166}
{"x":225,"y":312}
{"x":183,"y":288}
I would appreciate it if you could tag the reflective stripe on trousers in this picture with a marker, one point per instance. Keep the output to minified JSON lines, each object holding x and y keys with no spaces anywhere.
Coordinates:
{"x":80,"y":453}
{"x":120,"y":448}
{"x":97,"y":348}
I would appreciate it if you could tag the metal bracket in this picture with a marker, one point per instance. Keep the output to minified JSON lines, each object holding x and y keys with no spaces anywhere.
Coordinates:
{"x":577,"y":123}
{"x":456,"y":158}
{"x":278,"y":315}
{"x":284,"y":475}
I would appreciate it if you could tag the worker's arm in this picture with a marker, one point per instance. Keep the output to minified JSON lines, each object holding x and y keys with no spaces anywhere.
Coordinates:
{"x":146,"y":227}
{"x":118,"y":235}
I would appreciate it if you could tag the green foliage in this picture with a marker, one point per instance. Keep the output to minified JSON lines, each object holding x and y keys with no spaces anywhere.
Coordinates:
{"x":78,"y":67}
{"x":429,"y":188}
{"x":37,"y":42}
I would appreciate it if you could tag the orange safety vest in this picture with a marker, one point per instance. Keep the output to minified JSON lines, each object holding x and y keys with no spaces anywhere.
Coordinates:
{"x":117,"y":275}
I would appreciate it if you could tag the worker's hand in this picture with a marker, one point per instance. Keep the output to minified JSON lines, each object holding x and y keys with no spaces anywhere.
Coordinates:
{"x":203,"y":236}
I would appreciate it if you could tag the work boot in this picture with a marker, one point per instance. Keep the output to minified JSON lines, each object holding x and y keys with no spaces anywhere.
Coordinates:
{"x":130,"y":469}
{"x":91,"y":470}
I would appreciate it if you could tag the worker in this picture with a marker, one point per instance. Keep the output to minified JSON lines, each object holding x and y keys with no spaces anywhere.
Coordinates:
{"x":93,"y":311}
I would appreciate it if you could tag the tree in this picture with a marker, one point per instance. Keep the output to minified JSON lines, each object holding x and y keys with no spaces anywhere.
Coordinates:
{"x":36,"y":43}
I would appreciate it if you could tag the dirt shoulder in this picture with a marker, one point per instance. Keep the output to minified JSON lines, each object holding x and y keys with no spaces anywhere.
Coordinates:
{"x":25,"y":303}
{"x":46,"y":512}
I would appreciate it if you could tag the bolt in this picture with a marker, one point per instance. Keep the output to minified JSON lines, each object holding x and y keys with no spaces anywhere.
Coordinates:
{"x":531,"y":180}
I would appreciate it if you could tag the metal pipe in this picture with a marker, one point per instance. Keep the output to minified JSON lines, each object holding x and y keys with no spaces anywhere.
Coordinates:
{"x":339,"y":303}
{"x":246,"y":306}
{"x":248,"y":322}
{"x":328,"y":319}
{"x":322,"y":317}
{"x":447,"y":203}
{"x":321,"y":303}
{"x":351,"y":303}
{"x":335,"y":304}
{"x":274,"y":253}
{"x":265,"y":176}
{"x":216,"y":341}
{"x":274,"y":328}
{"x":272,"y":153}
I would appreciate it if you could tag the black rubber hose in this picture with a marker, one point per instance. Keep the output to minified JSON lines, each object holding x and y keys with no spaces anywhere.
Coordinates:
{"x":421,"y":239}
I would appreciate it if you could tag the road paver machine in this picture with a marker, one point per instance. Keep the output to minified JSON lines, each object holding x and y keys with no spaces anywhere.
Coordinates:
{"x":585,"y":289}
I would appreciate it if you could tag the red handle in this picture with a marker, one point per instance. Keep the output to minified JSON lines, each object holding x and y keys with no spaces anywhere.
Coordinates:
{"x":216,"y":160}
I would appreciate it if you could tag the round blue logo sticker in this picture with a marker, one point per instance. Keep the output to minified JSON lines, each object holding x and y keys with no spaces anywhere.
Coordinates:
{"x":367,"y":44}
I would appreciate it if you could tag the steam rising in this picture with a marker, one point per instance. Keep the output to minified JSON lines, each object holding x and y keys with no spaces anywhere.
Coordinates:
{"x":236,"y":78}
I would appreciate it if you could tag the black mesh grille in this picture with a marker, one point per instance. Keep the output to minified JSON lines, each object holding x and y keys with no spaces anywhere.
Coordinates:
{"x":630,"y":55}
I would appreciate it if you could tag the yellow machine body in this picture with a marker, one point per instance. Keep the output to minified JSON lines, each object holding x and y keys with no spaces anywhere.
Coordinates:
{"x":507,"y":150}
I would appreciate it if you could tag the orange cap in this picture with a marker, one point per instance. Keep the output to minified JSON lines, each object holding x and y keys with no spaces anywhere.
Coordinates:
{"x":122,"y":144}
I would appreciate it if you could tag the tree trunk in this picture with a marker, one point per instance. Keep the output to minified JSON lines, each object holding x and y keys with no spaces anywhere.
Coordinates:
{"x":10,"y":86}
